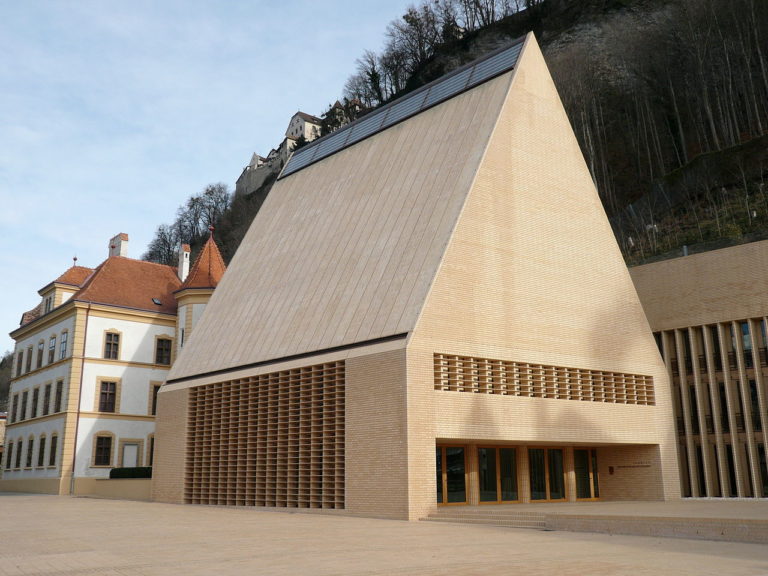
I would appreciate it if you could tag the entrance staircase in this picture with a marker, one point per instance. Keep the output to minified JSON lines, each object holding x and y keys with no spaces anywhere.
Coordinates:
{"x":491,"y":515}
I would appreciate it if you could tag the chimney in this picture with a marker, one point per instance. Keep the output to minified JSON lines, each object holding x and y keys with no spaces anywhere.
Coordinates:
{"x":118,"y":245}
{"x":184,"y":251}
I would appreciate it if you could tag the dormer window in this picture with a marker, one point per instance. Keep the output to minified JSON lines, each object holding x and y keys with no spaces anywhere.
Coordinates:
{"x":48,"y":304}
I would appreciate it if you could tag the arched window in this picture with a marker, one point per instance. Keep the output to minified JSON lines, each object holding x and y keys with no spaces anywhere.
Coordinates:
{"x":63,"y":345}
{"x":40,"y":348}
{"x":52,"y":349}
{"x":52,"y":452}
{"x":41,"y":452}
{"x":30,"y":450}
{"x":9,"y":456}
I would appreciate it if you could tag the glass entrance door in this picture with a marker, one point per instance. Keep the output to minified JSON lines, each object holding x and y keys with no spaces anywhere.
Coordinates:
{"x":451,"y":475}
{"x":585,"y":467}
{"x":547,"y":474}
{"x":497,"y":469}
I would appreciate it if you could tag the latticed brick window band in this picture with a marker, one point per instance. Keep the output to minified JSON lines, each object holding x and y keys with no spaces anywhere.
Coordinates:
{"x":275,"y":439}
{"x":485,"y":376}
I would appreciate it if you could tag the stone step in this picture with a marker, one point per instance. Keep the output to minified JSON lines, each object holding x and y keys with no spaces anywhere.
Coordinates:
{"x":493,"y":516}
{"x":465,"y":511}
{"x":538,"y":521}
{"x":507,"y":522}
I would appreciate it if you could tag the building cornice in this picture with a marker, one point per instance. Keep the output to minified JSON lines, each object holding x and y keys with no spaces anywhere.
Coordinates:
{"x":102,"y":310}
{"x":55,"y":315}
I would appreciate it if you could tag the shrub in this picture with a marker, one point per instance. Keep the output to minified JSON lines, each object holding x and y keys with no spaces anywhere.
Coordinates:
{"x":137,"y":472}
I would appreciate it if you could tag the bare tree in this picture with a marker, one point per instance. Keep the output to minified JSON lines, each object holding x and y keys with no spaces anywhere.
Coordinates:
{"x":193,"y":220}
{"x":164,"y":247}
{"x":5,"y":379}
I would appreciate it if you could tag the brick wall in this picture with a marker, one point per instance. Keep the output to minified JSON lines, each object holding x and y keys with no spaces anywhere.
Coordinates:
{"x":377,"y":446}
{"x":170,"y":446}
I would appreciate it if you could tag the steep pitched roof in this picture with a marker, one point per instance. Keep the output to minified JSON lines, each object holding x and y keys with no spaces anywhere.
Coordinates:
{"x":308,"y":117}
{"x":75,"y":276}
{"x":121,"y":281}
{"x":345,"y":249}
{"x":208,"y":268}
{"x":31,"y":315}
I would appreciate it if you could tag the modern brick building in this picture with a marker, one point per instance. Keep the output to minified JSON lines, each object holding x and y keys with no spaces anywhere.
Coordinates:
{"x":429,"y":309}
{"x":709,"y":313}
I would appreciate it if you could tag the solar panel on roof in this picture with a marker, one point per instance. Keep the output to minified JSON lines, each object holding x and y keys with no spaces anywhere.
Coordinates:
{"x":333,"y":143}
{"x":452,"y":85}
{"x":489,"y":68}
{"x":403,"y":108}
{"x":442,"y":89}
{"x":365,"y":127}
{"x":299,"y":160}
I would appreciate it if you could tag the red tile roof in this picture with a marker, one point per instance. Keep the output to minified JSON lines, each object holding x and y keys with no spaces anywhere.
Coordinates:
{"x":31,"y":315}
{"x":208,"y":268}
{"x":76,"y":275}
{"x":131,"y":283}
{"x":308,"y":117}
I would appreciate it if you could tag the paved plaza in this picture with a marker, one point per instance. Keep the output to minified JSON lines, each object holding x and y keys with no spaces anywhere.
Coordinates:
{"x":46,"y":535}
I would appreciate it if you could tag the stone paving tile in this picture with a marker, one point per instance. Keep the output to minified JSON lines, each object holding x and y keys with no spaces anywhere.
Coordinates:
{"x":61,"y":536}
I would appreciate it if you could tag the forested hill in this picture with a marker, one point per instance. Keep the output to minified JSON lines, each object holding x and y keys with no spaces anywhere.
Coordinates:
{"x":668,"y":99}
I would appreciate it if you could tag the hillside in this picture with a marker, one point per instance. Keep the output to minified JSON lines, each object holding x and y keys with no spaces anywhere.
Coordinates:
{"x":668,"y":99}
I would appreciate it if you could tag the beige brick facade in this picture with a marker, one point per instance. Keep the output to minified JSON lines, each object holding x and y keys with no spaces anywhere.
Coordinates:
{"x":709,"y":312}
{"x":170,"y":446}
{"x":377,"y":434}
{"x":472,"y":234}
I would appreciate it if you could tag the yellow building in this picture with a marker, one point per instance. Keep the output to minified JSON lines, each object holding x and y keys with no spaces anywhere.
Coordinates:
{"x":429,"y":309}
{"x":708,"y":312}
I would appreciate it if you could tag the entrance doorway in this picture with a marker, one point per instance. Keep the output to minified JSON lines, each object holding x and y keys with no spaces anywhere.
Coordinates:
{"x":451,"y":475}
{"x":547,"y":474}
{"x":585,"y":467}
{"x":497,"y":472}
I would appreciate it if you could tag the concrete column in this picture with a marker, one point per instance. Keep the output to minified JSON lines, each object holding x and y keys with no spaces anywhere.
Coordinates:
{"x":693,"y":471}
{"x":732,"y":403}
{"x":569,"y":466}
{"x":701,"y":405}
{"x":667,"y":346}
{"x":472,"y":475}
{"x":760,"y":378}
{"x":717,"y":413}
{"x":524,"y":474}
{"x":752,"y":467}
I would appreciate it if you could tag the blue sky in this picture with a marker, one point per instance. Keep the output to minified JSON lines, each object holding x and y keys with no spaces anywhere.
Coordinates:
{"x":113,"y":113}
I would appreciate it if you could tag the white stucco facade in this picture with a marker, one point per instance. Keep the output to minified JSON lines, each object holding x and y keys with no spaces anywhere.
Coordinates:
{"x":89,"y":361}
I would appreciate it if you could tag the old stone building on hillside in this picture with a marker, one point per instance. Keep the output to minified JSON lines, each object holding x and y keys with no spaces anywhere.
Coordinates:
{"x":302,"y":127}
